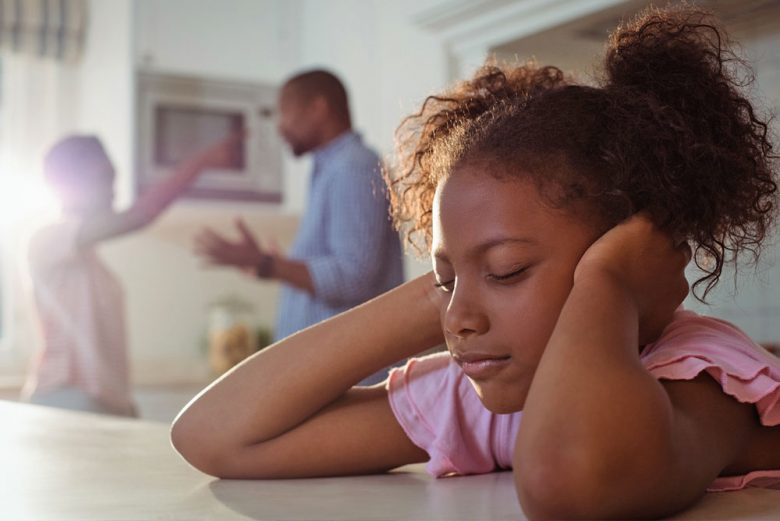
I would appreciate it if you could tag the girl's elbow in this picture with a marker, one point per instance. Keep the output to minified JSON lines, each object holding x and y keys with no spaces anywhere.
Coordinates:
{"x":566,"y":484}
{"x":222,"y":457}
{"x":197,"y":450}
{"x":550,"y":491}
{"x":591,"y":488}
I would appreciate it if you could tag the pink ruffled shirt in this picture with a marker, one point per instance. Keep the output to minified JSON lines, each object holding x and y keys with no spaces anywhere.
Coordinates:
{"x":440,"y":412}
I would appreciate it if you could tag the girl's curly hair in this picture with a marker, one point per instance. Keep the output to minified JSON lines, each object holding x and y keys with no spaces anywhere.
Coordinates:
{"x":668,"y":131}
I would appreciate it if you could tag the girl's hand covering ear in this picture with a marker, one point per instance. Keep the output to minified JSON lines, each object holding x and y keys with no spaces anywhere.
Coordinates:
{"x":647,"y":264}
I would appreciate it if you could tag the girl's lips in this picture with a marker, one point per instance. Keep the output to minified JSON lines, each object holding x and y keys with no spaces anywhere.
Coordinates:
{"x":479,"y":366}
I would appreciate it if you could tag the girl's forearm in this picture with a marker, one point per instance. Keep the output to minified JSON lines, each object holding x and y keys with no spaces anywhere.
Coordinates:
{"x":592,"y":408}
{"x":280,"y":387}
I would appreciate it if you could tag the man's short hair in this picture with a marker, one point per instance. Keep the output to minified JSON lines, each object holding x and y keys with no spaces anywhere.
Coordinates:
{"x":319,"y":82}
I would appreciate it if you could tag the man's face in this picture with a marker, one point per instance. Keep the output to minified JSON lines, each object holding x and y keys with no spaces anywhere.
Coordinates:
{"x":297,"y":124}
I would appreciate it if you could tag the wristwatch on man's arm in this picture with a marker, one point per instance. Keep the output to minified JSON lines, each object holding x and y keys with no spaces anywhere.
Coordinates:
{"x":265,"y":268}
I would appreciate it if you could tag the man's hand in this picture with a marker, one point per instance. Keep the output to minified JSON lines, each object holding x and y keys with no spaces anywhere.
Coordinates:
{"x":245,"y":253}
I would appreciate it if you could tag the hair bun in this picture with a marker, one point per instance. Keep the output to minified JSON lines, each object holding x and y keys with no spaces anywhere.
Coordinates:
{"x":679,"y":55}
{"x":681,"y":87}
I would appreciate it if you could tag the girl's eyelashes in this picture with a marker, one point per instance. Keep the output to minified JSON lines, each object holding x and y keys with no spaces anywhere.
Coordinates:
{"x":507,"y":276}
{"x":445,"y":286}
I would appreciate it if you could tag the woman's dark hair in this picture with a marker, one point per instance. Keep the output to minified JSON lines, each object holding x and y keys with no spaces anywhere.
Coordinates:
{"x":668,"y":131}
{"x":67,"y":162}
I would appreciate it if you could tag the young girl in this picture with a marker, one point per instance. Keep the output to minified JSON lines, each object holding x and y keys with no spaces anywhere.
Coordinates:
{"x":80,"y":303}
{"x":559,"y":218}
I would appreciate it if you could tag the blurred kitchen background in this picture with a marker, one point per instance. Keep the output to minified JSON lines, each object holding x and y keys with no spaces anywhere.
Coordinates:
{"x":390,"y":54}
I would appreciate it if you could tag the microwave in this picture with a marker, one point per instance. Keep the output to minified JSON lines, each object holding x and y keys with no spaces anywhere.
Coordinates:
{"x":178,"y":116}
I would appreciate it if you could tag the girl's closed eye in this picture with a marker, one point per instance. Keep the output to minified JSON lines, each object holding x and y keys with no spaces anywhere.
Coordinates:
{"x":510,"y":276}
{"x":445,"y":286}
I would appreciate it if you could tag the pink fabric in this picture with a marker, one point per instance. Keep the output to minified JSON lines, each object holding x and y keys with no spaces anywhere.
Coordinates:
{"x":80,"y":306}
{"x":440,"y":412}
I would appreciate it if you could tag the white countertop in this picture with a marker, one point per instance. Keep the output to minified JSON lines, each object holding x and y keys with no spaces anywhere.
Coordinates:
{"x":61,"y":465}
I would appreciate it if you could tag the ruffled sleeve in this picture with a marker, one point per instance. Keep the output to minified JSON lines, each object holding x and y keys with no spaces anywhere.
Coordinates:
{"x":441,"y":413}
{"x":694,"y":344}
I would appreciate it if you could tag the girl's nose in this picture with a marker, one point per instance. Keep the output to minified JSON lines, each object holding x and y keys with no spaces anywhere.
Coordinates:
{"x":464,"y":315}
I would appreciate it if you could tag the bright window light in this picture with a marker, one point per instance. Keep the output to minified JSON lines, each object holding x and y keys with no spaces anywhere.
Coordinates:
{"x":25,"y":201}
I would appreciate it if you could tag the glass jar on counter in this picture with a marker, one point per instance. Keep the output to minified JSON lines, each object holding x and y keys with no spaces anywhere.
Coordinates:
{"x":231,"y":336}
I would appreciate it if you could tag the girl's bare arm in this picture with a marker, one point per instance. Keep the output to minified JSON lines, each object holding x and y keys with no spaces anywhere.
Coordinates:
{"x":601,"y":437}
{"x":291,"y":410}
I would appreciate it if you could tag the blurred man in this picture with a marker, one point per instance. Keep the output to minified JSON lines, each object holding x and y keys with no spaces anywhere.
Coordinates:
{"x":346,"y":250}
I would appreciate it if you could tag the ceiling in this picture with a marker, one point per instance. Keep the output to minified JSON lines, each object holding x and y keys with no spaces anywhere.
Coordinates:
{"x":577,"y":46}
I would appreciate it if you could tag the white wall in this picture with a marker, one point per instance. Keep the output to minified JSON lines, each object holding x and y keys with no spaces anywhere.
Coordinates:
{"x":253,"y":40}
